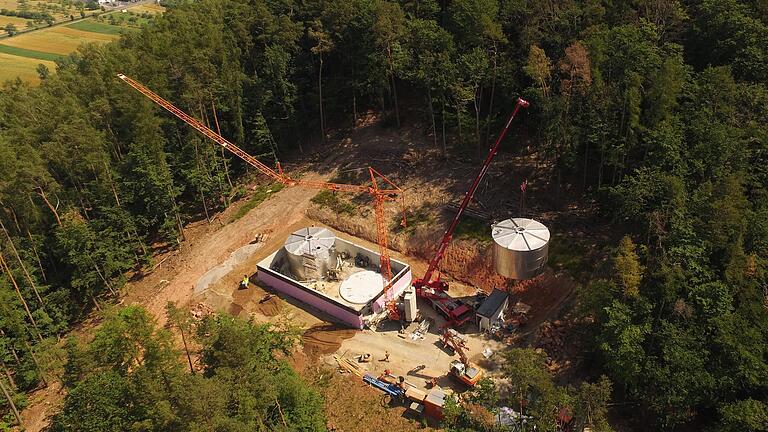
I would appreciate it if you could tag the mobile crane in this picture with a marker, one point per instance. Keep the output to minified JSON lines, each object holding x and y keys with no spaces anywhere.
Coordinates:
{"x":461,"y":369}
{"x":455,"y":312}
{"x":380,"y":195}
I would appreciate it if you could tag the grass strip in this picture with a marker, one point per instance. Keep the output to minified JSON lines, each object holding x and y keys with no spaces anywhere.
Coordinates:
{"x":259,"y":195}
{"x":22,"y":52}
{"x":95,"y":27}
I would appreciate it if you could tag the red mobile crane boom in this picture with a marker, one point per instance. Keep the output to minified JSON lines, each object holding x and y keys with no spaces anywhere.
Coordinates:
{"x":379,"y":195}
{"x":439,"y":285}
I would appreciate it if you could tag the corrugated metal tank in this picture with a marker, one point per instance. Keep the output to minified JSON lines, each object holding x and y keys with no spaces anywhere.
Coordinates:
{"x":310,"y":252}
{"x":520,"y":247}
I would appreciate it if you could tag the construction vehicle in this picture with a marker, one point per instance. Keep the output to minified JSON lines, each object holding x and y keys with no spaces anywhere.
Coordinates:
{"x":461,"y":369}
{"x":380,"y":195}
{"x":395,"y":391}
{"x":455,"y":312}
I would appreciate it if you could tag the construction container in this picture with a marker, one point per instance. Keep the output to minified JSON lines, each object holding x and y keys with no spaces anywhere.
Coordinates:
{"x":434,"y":402}
{"x":310,"y":253}
{"x":520,"y":247}
{"x":409,"y":304}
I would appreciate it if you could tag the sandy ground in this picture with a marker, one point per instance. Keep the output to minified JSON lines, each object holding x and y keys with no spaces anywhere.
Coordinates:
{"x":211,"y":245}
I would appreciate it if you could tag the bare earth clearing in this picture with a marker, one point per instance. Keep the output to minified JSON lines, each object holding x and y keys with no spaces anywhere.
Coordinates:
{"x":207,"y":267}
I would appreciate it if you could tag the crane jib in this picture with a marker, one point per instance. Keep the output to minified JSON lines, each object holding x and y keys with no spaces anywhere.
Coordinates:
{"x":379,"y":194}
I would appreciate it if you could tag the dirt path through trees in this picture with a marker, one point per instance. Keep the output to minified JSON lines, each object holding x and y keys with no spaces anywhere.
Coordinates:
{"x":208,"y":245}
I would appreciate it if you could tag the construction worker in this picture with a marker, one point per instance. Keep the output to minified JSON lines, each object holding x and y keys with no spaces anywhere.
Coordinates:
{"x":245,"y":282}
{"x":386,"y":356}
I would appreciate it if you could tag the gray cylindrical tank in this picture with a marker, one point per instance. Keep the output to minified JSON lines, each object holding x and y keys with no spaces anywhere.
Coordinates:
{"x":520,"y":247}
{"x":310,"y":252}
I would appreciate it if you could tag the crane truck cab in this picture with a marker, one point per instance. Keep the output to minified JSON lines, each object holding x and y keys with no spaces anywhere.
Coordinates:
{"x":466,"y":372}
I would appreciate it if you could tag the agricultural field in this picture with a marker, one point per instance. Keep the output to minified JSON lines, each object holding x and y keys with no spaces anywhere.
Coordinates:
{"x":20,"y":23}
{"x":13,"y":66}
{"x":56,"y":40}
{"x":147,"y":8}
{"x":23,"y":52}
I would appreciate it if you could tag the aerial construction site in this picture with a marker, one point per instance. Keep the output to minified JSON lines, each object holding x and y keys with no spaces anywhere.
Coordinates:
{"x":385,"y":319}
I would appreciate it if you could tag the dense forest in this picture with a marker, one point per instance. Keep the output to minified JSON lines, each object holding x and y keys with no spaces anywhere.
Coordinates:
{"x":656,"y":109}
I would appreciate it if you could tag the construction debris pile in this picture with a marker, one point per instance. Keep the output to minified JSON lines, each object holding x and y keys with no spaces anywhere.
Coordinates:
{"x":550,"y":339}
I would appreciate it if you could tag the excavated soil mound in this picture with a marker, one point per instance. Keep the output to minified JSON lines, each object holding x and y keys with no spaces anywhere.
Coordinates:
{"x":269,"y":307}
{"x":545,"y":294}
{"x":324,"y":339}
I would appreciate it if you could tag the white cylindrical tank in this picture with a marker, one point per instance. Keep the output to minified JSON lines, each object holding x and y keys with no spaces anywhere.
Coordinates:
{"x":310,"y":252}
{"x":520,"y":247}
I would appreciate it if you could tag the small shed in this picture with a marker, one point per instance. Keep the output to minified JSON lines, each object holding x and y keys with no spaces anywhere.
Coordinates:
{"x":492,"y":309}
{"x":434,"y":402}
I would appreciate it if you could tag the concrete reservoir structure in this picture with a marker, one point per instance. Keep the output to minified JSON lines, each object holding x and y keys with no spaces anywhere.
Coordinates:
{"x":520,"y":248}
{"x":333,"y":275}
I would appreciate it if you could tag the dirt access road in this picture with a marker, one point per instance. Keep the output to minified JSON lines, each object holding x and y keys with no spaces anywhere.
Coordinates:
{"x":209,"y":245}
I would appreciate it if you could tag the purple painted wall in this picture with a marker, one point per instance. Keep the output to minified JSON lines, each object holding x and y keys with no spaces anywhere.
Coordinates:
{"x":326,"y":306}
{"x":396,"y":291}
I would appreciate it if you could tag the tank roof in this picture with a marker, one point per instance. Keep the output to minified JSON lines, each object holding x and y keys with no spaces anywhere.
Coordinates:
{"x":309,"y":240}
{"x":520,"y":234}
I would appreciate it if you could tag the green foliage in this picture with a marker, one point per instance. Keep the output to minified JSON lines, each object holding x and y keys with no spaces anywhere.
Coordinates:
{"x":655,"y":109}
{"x":261,"y":193}
{"x":566,"y":254}
{"x":131,"y":378}
{"x":629,"y":271}
{"x":332,"y":201}
{"x":747,"y":415}
{"x":414,"y":218}
{"x":473,"y":229}
{"x":534,"y":393}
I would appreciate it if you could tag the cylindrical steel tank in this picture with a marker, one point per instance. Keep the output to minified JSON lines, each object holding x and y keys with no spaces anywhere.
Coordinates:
{"x":310,"y":252}
{"x":520,"y":247}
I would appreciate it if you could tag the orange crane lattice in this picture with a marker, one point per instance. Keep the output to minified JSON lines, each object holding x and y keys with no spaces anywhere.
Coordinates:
{"x":380,"y":195}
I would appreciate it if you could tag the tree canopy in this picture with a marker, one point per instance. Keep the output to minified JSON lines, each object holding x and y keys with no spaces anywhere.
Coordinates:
{"x":654,"y":109}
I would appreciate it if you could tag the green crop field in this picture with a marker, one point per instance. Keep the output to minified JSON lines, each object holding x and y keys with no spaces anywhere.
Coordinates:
{"x":90,"y":25}
{"x":23,"y":52}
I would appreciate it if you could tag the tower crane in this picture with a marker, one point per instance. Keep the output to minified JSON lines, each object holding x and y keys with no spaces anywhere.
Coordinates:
{"x":388,"y":192}
{"x":434,"y":290}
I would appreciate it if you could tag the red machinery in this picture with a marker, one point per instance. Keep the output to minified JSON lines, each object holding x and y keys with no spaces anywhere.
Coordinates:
{"x":454,"y":311}
{"x":380,"y":195}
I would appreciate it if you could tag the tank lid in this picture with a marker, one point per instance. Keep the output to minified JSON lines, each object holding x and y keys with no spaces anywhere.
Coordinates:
{"x":520,"y":234}
{"x":310,"y":240}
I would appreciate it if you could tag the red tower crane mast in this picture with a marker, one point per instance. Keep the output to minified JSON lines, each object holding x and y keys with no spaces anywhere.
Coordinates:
{"x":439,"y":285}
{"x":380,"y":195}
